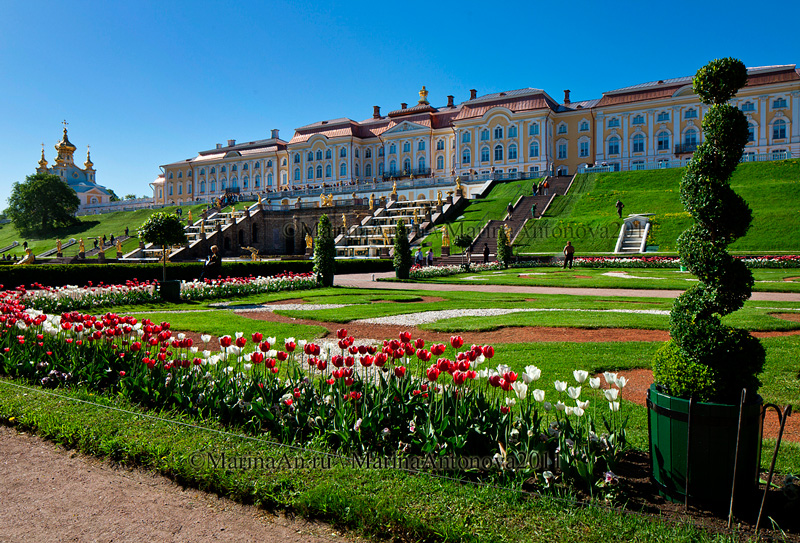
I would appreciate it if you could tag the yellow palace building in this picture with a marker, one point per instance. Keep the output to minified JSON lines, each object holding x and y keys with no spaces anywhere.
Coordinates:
{"x":511,"y":133}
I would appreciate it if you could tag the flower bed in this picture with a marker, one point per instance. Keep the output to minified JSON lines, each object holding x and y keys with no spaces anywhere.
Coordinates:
{"x":70,"y":298}
{"x":399,"y":398}
{"x":426,"y":272}
{"x":788,"y":261}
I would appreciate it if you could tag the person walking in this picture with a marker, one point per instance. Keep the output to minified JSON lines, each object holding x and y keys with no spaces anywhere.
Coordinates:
{"x":533,"y":210}
{"x":418,"y":259}
{"x":213,"y":265}
{"x":569,"y":252}
{"x":546,"y":187}
{"x":510,"y":210}
{"x":485,"y":253}
{"x":619,"y":205}
{"x":430,"y":257}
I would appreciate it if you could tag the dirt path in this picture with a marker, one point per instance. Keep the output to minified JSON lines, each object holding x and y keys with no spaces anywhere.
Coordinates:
{"x":50,"y":494}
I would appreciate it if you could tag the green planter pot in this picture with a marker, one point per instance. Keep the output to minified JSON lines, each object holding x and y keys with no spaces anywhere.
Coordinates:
{"x":170,"y":291}
{"x":711,"y":450}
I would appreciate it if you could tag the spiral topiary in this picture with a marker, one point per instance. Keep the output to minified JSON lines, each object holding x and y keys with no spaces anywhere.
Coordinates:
{"x":325,"y":252}
{"x":728,"y":358}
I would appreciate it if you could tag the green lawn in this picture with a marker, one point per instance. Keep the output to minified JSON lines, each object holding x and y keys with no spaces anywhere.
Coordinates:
{"x":767,"y":280}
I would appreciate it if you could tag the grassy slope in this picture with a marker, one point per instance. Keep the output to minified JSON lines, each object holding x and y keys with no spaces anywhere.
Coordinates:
{"x":588,"y":216}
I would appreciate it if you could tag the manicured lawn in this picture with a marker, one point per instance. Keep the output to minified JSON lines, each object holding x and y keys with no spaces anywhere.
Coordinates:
{"x":771,"y":280}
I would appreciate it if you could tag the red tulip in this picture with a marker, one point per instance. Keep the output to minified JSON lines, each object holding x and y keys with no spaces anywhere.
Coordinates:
{"x":456,"y":341}
{"x":405,"y":337}
{"x":349,"y":361}
{"x":438,"y":349}
{"x":341,"y":333}
{"x":367,"y":360}
{"x":459,"y":378}
{"x":419,"y":343}
{"x":432,"y":373}
{"x":488,"y":351}
{"x":264,"y":346}
{"x":400,"y":371}
{"x":282,"y":356}
{"x":225,"y":341}
{"x":348,"y":381}
{"x":257,"y":337}
{"x":257,"y":357}
{"x":381,"y":359}
{"x":504,"y":409}
{"x":337,"y":360}
{"x":136,"y":346}
{"x":290,"y":346}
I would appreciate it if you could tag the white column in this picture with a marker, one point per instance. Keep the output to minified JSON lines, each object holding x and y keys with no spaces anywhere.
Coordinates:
{"x":676,"y":127}
{"x":651,"y":150}
{"x":599,"y":139}
{"x":625,"y":150}
{"x":763,"y":104}
{"x":795,"y":120}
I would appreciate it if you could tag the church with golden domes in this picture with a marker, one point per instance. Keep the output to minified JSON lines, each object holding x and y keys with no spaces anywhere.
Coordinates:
{"x":81,"y":180}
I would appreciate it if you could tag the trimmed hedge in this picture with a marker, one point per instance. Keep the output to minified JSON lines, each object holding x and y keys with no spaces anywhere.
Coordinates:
{"x":57,"y":275}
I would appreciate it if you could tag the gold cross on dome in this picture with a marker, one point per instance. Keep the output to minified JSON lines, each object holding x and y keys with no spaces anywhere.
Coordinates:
{"x":65,"y":123}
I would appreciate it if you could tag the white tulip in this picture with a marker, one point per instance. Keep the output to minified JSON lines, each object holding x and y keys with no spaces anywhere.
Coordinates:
{"x":521,"y":389}
{"x":538,"y":395}
{"x":611,"y":394}
{"x":561,"y":386}
{"x":594,"y":382}
{"x":614,"y":406}
{"x":574,"y":392}
{"x":580,"y":375}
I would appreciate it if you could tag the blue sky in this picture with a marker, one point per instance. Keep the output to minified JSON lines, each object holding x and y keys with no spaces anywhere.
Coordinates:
{"x":149,"y":83}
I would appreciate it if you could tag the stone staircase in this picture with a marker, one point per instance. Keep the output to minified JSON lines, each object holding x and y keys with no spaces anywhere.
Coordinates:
{"x":633,"y":234}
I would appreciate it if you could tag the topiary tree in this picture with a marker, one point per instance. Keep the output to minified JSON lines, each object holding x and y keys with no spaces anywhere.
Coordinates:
{"x":325,"y":252}
{"x":712,"y":361}
{"x":402,"y":252}
{"x":503,"y":248}
{"x":163,"y":229}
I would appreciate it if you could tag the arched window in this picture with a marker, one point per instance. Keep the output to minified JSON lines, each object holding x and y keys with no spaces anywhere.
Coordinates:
{"x":171,"y":175}
{"x":512,"y":151}
{"x":748,"y":106}
{"x":407,"y":165}
{"x":170,"y":189}
{"x":343,"y":169}
{"x":485,"y":134}
{"x":690,"y":114}
{"x":234,"y":182}
{"x":202,"y":171}
{"x":421,"y":164}
{"x":662,"y":140}
{"x":328,"y":170}
{"x":297,"y":158}
{"x":258,"y":181}
{"x":297,"y":174}
{"x":612,"y":123}
{"x":380,"y":168}
{"x":392,"y":167}
{"x":233,"y":169}
{"x":485,"y":154}
{"x":357,"y":170}
{"x":257,"y":166}
{"x":381,"y":152}
{"x":311,"y":172}
{"x":393,"y":149}
{"x":613,"y":145}
{"x":466,"y":156}
{"x":213,"y":186}
{"x":562,"y":128}
{"x":213,"y":170}
{"x":327,"y":154}
{"x":440,"y":162}
{"x":202,"y":187}
{"x":421,"y":145}
{"x":368,"y":153}
{"x":751,"y":132}
{"x":368,"y":169}
{"x":584,"y":127}
{"x":319,"y":172}
{"x":533,"y":129}
{"x":245,"y":182}
{"x":357,"y":153}
{"x":440,"y":145}
{"x":319,"y":154}
{"x":512,"y":131}
{"x":180,"y":188}
{"x":465,"y":137}
{"x":498,"y":153}
{"x":269,"y":179}
{"x":189,"y":187}
{"x":779,"y":129}
{"x":269,"y":164}
{"x":406,"y":147}
{"x":222,"y":184}
{"x":638,"y":143}
{"x":343,"y":152}
{"x":310,"y":156}
{"x":244,"y":168}
{"x":223,"y":170}
{"x":533,"y":150}
{"x":690,"y":137}
{"x":180,"y":175}
{"x":498,"y":133}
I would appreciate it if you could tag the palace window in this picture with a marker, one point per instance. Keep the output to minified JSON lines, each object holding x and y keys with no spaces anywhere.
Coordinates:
{"x":406,"y":147}
{"x":297,"y":174}
{"x":171,"y":175}
{"x":310,"y":172}
{"x":690,"y":137}
{"x":512,"y":152}
{"x":380,"y":168}
{"x":421,"y":146}
{"x":381,"y":152}
{"x":779,"y":103}
{"x":421,"y":164}
{"x":662,"y":140}
{"x":319,"y":154}
{"x":663,"y":117}
{"x":440,"y":145}
{"x":690,"y":114}
{"x":498,"y":153}
{"x":533,"y":150}
{"x":269,"y":164}
{"x":562,"y":151}
{"x":213,"y":186}
{"x":584,"y":126}
{"x":465,"y":156}
{"x":357,"y":170}
{"x":233,"y":168}
{"x":368,"y":169}
{"x":296,"y":158}
{"x":258,"y":181}
{"x":533,"y":130}
{"x":202,"y":187}
{"x":319,"y":172}
{"x":269,"y":179}
{"x":584,"y":149}
{"x":465,"y":137}
{"x":213,"y":170}
{"x":779,"y":129}
{"x":310,"y":156}
{"x":327,"y":154}
{"x":440,"y":162}
{"x":244,"y":167}
{"x":343,"y":169}
{"x":368,"y":153}
{"x":613,"y":146}
{"x":245,"y":184}
{"x":180,"y":175}
{"x":328,"y":170}
{"x":357,"y":153}
{"x":485,"y":134}
{"x":343,"y":152}
{"x":484,"y":154}
{"x":613,"y":122}
{"x":222,"y":170}
{"x":202,"y":171}
{"x":638,"y":143}
{"x":407,"y":165}
{"x":393,"y":149}
{"x":498,"y":133}
{"x":512,"y":131}
{"x":751,"y":132}
{"x":257,"y":166}
{"x":393,"y":167}
{"x":562,"y":128}
{"x":638,"y":119}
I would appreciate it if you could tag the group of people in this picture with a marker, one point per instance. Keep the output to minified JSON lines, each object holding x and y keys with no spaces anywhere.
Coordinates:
{"x":541,"y":188}
{"x":423,"y":260}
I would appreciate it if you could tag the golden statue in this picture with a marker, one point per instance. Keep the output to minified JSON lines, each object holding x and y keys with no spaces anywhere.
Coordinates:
{"x":259,"y":200}
{"x":386,"y":240}
{"x":458,"y":185}
{"x":445,"y":236}
{"x":81,"y":249}
{"x":508,"y":233}
{"x":438,"y":197}
{"x":344,"y":221}
{"x":253,"y":253}
{"x":372,"y":202}
{"x":423,"y":95}
{"x":394,"y":188}
{"x":416,"y":218}
{"x":190,"y":217}
{"x":58,"y":245}
{"x":119,"y":244}
{"x":309,"y":241}
{"x":29,"y":258}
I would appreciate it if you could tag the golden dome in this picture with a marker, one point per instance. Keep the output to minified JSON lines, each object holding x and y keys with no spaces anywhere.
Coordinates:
{"x":64,"y":144}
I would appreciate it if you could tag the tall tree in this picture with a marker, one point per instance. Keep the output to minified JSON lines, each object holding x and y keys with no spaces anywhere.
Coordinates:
{"x":402,"y":252}
{"x":163,"y":229}
{"x":325,"y":252}
{"x":41,"y":203}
